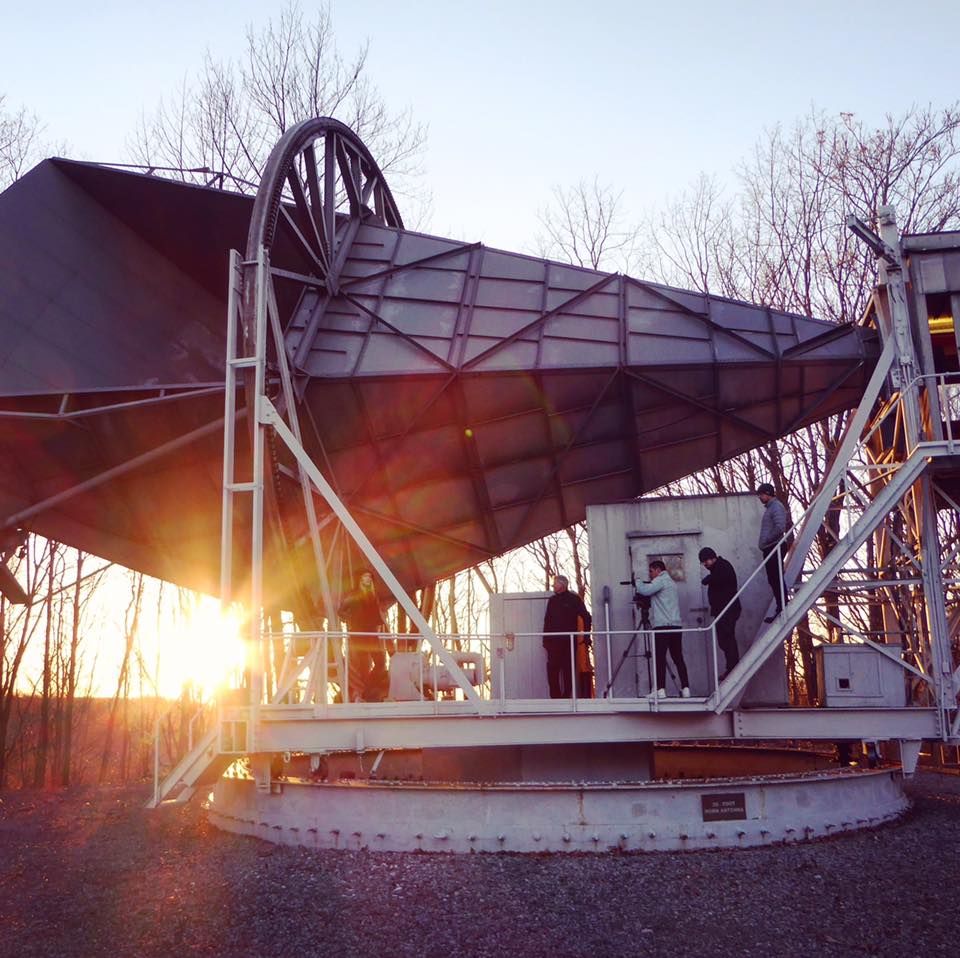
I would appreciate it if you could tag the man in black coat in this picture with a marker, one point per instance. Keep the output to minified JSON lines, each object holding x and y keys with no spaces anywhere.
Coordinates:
{"x":721,"y":583}
{"x":565,"y":613}
{"x":366,"y":654}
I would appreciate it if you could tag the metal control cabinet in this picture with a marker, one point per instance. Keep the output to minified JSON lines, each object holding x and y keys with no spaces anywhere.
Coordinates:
{"x":858,"y":676}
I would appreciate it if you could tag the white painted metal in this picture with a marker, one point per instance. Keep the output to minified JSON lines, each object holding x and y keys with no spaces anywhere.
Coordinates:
{"x":673,"y":816}
{"x":859,"y":676}
{"x":806,"y":529}
{"x":518,"y":667}
{"x":875,"y":488}
{"x":897,"y":486}
{"x":679,"y":527}
{"x":410,"y":670}
{"x":254,"y":605}
{"x":463,"y":724}
{"x":268,"y":415}
{"x":229,"y":428}
{"x":290,"y":405}
{"x":938,"y":635}
{"x":203,"y":762}
{"x":909,"y":753}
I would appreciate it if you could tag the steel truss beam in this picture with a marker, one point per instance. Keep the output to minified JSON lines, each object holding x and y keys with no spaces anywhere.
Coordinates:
{"x":267,"y":328}
{"x":902,"y":488}
{"x":814,"y":587}
{"x":269,"y":416}
{"x":361,"y":727}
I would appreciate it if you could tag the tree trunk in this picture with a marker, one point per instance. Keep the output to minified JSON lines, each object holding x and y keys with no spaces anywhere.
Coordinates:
{"x":452,"y":605}
{"x":40,"y":767}
{"x":132,"y":622}
{"x":71,"y":677}
{"x":808,"y":661}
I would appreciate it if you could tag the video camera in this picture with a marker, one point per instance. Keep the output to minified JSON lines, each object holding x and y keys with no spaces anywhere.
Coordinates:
{"x":640,"y":602}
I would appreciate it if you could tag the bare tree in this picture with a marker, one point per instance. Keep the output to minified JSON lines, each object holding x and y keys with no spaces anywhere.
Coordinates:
{"x":131,"y":627}
{"x":18,"y":626}
{"x":228,"y":118}
{"x":586,"y":225}
{"x":21,"y":143}
{"x":781,"y":240}
{"x":40,"y":766}
{"x":70,"y":678}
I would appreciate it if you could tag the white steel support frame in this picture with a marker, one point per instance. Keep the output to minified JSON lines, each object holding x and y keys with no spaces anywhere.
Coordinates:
{"x":887,"y":491}
{"x":237,"y":366}
{"x":260,"y":303}
{"x":899,"y":484}
{"x":811,"y":590}
{"x":267,"y":415}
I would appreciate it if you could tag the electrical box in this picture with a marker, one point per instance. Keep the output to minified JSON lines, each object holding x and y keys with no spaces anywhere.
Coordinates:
{"x":858,"y":676}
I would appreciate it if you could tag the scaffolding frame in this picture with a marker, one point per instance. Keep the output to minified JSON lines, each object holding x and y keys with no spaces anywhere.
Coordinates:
{"x":882,"y":479}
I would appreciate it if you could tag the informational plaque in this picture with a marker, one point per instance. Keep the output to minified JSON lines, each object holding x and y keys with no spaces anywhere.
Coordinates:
{"x":726,"y":807}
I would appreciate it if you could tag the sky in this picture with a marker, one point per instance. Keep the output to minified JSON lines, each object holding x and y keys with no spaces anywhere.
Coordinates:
{"x":517,"y":97}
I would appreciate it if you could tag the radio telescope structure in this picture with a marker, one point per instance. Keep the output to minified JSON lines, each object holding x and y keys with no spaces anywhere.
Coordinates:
{"x":462,"y":400}
{"x":420,"y":404}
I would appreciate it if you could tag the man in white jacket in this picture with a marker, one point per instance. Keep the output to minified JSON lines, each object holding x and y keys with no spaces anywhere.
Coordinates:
{"x":665,"y":619}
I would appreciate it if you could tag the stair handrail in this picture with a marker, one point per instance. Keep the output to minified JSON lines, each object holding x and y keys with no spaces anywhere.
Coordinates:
{"x":908,"y":464}
{"x":202,"y":705}
{"x":892,"y":405}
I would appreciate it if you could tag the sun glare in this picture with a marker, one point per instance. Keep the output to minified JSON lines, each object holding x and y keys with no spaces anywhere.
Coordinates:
{"x":204,"y":648}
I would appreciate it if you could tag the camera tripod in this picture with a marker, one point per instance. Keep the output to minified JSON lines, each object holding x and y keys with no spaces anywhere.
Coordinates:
{"x":642,"y":604}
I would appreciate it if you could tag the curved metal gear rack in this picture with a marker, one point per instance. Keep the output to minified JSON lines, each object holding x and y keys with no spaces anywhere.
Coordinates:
{"x":317,"y":166}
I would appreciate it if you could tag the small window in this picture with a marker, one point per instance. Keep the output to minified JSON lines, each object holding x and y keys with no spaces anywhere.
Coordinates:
{"x":843,"y":683}
{"x":673,"y":562}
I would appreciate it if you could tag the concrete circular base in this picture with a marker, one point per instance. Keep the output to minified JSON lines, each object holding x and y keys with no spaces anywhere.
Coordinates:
{"x":561,"y":817}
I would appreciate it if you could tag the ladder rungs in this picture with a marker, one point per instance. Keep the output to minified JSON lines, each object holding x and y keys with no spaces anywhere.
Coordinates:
{"x":243,"y":362}
{"x":240,"y":486}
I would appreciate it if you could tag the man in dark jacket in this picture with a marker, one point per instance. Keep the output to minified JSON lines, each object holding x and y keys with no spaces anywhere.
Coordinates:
{"x":721,"y":583}
{"x":565,"y":613}
{"x":773,"y":526}
{"x":366,"y":654}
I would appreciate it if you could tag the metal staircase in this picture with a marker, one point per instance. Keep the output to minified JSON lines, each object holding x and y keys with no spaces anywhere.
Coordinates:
{"x":896,"y":486}
{"x":201,"y":766}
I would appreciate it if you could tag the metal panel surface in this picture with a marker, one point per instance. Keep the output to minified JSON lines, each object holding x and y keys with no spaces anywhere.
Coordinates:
{"x":462,"y":400}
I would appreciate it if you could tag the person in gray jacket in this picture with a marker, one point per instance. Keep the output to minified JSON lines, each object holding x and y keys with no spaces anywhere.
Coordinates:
{"x":665,"y":619}
{"x":773,"y":527}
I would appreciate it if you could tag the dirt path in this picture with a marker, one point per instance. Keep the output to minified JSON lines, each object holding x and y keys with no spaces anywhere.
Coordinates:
{"x":88,"y":872}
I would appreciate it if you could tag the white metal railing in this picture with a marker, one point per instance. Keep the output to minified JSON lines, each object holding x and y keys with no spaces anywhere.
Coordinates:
{"x":416,"y":673}
{"x":306,"y":678}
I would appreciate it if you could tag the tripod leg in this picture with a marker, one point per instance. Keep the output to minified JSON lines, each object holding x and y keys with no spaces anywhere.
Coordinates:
{"x":616,"y":671}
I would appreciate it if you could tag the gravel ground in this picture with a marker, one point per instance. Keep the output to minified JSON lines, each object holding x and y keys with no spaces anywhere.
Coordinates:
{"x":88,"y":872}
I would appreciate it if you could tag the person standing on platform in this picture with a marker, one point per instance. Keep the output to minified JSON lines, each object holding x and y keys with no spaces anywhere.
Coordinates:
{"x":584,"y":663}
{"x":565,"y":613}
{"x":721,"y":583}
{"x":665,"y":619}
{"x":773,"y":527}
{"x":366,"y":656}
